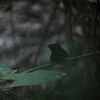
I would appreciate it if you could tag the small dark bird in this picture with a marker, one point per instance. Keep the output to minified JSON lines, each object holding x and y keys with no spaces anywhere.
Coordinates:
{"x":58,"y":53}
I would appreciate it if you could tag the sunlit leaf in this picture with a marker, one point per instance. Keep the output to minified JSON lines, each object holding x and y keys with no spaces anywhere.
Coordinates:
{"x":34,"y":78}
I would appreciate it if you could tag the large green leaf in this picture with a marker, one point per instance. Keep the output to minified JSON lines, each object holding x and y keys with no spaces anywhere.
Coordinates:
{"x":34,"y":78}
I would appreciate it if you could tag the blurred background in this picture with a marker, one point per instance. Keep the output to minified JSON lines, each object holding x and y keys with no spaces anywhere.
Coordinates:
{"x":27,"y":27}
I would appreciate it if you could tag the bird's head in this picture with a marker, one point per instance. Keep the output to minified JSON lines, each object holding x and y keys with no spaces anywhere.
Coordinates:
{"x":54,"y":46}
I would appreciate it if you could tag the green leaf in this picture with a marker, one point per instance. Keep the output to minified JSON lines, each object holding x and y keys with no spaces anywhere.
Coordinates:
{"x":34,"y":78}
{"x":5,"y":70}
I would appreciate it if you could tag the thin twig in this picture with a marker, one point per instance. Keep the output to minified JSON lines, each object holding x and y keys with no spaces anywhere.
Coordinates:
{"x":81,"y":56}
{"x":36,"y":68}
{"x":67,"y":61}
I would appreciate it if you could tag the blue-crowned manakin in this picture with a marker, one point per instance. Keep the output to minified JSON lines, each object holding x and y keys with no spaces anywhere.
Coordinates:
{"x":58,"y":53}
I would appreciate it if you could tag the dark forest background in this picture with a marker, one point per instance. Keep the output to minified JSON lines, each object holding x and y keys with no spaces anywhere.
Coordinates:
{"x":27,"y":27}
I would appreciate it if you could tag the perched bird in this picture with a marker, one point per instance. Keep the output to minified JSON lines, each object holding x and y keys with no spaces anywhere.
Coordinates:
{"x":58,"y":53}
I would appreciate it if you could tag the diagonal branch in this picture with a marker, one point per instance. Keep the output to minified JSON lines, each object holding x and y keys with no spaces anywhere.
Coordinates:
{"x":68,"y":60}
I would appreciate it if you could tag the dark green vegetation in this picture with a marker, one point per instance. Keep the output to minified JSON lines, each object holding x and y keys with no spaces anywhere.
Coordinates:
{"x":29,"y":70}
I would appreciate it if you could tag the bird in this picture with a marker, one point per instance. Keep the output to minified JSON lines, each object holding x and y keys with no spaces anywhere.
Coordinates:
{"x":58,"y":53}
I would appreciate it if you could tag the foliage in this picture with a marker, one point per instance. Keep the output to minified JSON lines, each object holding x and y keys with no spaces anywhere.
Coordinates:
{"x":74,"y":79}
{"x":33,"y":78}
{"x":25,"y":79}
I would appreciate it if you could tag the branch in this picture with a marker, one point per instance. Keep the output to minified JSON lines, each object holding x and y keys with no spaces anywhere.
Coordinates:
{"x":68,"y":60}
